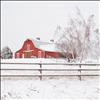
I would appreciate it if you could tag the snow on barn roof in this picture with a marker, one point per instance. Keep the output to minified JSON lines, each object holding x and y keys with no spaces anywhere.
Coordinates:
{"x":47,"y":46}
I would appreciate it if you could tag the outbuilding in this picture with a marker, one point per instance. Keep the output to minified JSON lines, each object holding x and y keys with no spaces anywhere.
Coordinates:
{"x":37,"y":49}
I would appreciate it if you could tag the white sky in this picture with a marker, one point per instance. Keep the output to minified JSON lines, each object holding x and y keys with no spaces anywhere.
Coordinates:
{"x":29,"y":19}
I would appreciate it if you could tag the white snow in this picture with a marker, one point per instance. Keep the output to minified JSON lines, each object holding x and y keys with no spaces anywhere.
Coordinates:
{"x":34,"y":60}
{"x":49,"y":60}
{"x":50,"y":47}
{"x":53,"y":88}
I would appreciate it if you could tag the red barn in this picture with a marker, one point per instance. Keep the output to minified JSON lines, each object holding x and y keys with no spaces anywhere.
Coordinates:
{"x":36,"y":49}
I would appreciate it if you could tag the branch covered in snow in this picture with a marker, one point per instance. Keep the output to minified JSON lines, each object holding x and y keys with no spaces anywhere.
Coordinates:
{"x":80,"y":38}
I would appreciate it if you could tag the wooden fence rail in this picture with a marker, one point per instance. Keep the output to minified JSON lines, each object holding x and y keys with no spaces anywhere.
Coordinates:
{"x":41,"y":69}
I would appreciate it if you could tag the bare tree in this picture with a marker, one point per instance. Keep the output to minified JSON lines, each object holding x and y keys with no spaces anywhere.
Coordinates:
{"x":76,"y":40}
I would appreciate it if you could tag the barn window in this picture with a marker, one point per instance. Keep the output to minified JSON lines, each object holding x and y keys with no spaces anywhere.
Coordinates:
{"x":18,"y":56}
{"x":28,"y":46}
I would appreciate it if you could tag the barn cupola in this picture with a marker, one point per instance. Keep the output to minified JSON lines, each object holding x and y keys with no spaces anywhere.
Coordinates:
{"x":38,"y":38}
{"x":52,"y":40}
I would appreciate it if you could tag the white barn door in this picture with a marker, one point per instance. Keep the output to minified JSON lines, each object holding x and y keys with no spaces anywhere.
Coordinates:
{"x":23,"y":56}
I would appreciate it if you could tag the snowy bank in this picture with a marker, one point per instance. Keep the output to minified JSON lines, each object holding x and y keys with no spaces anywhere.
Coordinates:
{"x":49,"y":60}
{"x":50,"y":89}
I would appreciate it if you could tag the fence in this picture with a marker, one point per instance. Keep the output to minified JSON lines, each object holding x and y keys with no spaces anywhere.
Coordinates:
{"x":80,"y":68}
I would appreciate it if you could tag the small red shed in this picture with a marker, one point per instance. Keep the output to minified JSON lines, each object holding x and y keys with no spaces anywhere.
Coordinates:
{"x":36,"y":49}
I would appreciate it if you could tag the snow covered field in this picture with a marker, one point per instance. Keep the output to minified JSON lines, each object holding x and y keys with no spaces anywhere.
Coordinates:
{"x":62,"y":88}
{"x":52,"y":89}
{"x":49,"y":60}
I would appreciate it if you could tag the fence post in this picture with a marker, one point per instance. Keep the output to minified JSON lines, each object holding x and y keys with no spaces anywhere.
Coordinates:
{"x":80,"y":72}
{"x":40,"y":71}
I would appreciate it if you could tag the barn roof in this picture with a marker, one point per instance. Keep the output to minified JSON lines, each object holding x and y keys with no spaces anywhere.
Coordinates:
{"x":49,"y":47}
{"x":46,"y":46}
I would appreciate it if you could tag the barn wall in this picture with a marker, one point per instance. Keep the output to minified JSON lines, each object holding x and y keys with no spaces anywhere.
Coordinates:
{"x":52,"y":54}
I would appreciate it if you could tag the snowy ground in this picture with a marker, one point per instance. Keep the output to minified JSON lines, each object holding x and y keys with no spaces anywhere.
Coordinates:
{"x":52,"y":89}
{"x":61,"y":88}
{"x":49,"y":60}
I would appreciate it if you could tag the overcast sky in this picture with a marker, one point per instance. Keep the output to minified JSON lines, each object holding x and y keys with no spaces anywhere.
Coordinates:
{"x":29,"y":19}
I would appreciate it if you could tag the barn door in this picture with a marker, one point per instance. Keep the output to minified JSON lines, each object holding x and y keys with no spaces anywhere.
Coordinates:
{"x":39,"y":54}
{"x":18,"y":55}
{"x":22,"y":55}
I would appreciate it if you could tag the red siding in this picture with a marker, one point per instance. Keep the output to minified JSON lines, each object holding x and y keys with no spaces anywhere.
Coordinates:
{"x":52,"y":54}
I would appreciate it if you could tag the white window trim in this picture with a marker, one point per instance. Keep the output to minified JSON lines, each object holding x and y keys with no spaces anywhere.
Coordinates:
{"x":23,"y":56}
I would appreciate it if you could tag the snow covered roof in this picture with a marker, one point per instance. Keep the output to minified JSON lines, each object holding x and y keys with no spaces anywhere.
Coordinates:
{"x":37,"y":43}
{"x":47,"y":46}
